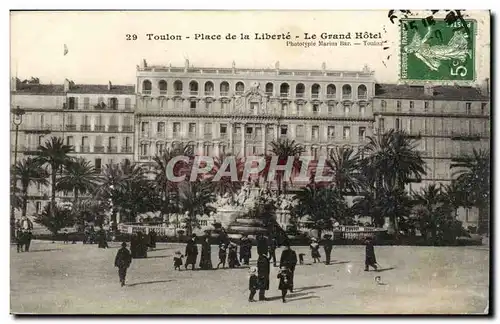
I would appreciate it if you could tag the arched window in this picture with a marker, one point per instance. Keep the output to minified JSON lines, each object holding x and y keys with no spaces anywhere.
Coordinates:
{"x":284,"y":90}
{"x":315,"y":90}
{"x":162,"y":86}
{"x":178,"y":87}
{"x":331,"y":91}
{"x":113,"y":103}
{"x":269,"y":89}
{"x":346,"y":91}
{"x":146,"y":87}
{"x":300,"y":89}
{"x":240,"y":88}
{"x":362,"y":92}
{"x":224,"y":88}
{"x":193,"y":88}
{"x":209,"y":88}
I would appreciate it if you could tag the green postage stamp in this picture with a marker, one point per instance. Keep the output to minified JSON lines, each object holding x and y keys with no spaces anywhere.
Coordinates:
{"x":440,"y":51}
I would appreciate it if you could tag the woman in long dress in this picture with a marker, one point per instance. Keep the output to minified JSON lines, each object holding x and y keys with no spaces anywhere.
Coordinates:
{"x":314,"y":246}
{"x":206,"y":255}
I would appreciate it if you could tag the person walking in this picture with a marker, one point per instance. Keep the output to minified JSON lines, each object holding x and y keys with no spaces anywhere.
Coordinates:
{"x":206,"y":254}
{"x":253,"y":283}
{"x":314,"y":246}
{"x":370,"y":260}
{"x":328,"y":246}
{"x":289,"y":261}
{"x":122,"y":262}
{"x":263,"y":272}
{"x":245,"y":249}
{"x":191,"y":252}
{"x":222,"y":255}
{"x":284,"y":277}
{"x":272,"y":250}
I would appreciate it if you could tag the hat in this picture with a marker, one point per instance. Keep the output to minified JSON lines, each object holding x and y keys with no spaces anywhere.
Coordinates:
{"x":314,"y":239}
{"x":124,"y":244}
{"x":252,"y":270}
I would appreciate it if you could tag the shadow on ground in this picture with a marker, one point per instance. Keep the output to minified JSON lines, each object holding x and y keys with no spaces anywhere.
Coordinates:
{"x":385,"y":269}
{"x":312,"y":287}
{"x":149,"y":282}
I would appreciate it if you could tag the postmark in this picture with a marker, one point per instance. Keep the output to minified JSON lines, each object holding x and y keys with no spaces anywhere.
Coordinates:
{"x":443,"y":50}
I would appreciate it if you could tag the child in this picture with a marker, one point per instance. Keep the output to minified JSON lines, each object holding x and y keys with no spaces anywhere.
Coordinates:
{"x":370,"y":260}
{"x":178,"y":260}
{"x":122,"y":262}
{"x":65,"y":237}
{"x":315,"y":250}
{"x":253,"y":283}
{"x":301,"y":258}
{"x":284,"y":276}
{"x":222,"y":255}
{"x":233,"y":255}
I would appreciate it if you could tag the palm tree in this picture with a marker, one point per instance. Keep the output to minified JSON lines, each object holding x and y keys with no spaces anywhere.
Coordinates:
{"x":284,"y":149}
{"x":395,"y":204}
{"x":54,"y":153}
{"x":226,"y":185}
{"x":195,"y":198}
{"x":28,"y":172}
{"x":80,"y":177}
{"x":345,"y":165}
{"x":473,"y":177}
{"x":429,"y":202}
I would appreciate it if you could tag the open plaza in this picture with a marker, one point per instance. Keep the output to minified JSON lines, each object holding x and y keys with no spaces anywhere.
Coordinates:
{"x":56,"y":278}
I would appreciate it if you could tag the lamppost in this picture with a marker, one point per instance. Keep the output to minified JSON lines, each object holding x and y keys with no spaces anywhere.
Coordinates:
{"x":17,"y":120}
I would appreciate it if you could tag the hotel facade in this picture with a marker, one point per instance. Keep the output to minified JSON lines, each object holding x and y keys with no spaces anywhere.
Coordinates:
{"x":241,"y":110}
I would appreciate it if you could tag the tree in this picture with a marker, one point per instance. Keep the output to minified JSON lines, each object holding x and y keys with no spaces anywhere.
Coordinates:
{"x":54,"y":153}
{"x":28,"y":172}
{"x":55,"y":218}
{"x":396,"y":204}
{"x":80,"y":177}
{"x":345,"y":166}
{"x":284,"y":149}
{"x":195,"y":198}
{"x":320,"y":206}
{"x":225,"y":185}
{"x":473,"y":177}
{"x":89,"y":210}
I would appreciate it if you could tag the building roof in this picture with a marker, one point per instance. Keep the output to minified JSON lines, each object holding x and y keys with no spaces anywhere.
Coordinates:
{"x":102,"y":88}
{"x":29,"y":88}
{"x":404,"y":91}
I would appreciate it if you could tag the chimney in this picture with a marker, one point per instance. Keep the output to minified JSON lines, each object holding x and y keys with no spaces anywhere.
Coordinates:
{"x":66,"y":85}
{"x":428,"y":89}
{"x":109,"y":85}
{"x":13,"y":84}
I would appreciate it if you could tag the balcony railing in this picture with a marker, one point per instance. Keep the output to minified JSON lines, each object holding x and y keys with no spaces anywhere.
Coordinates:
{"x":238,"y":92}
{"x":191,"y":134}
{"x":85,"y":128}
{"x":127,"y":128}
{"x":270,"y":94}
{"x":209,"y":93}
{"x":98,"y":149}
{"x":346,"y":96}
{"x":113,"y":128}
{"x":331,"y":96}
{"x":128,"y":108}
{"x":224,"y":93}
{"x":284,"y":94}
{"x":113,"y":107}
{"x":84,"y":149}
{"x":146,"y":92}
{"x":161,"y":134}
{"x":71,"y":127}
{"x":315,"y":95}
{"x":163,"y":92}
{"x":99,"y":128}
{"x":300,"y":94}
{"x":126,"y":149}
{"x":144,"y":157}
{"x":112,"y":149}
{"x":362,"y":96}
{"x":193,"y":93}
{"x":178,"y":92}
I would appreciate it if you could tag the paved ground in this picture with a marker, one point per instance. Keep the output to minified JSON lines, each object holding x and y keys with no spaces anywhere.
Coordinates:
{"x":57,"y":278}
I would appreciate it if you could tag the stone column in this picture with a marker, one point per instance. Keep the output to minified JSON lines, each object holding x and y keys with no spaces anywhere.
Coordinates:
{"x":243,"y":144}
{"x":264,"y":131}
{"x":231,"y":130}
{"x":137,"y":139}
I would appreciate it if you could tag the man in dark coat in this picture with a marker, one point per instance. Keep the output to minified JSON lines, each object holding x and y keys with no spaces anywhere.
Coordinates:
{"x":289,"y":260}
{"x":28,"y":236}
{"x":263,"y":273}
{"x":152,"y":239}
{"x":191,"y":252}
{"x":272,"y":250}
{"x":328,"y":246}
{"x":370,"y":259}
{"x":262,"y":246}
{"x":245,"y":249}
{"x":206,"y":254}
{"x":101,"y":239}
{"x":122,"y":262}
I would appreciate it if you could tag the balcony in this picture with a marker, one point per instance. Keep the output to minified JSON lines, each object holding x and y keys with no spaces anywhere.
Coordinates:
{"x":300,"y":95}
{"x":127,"y":128}
{"x":284,"y":94}
{"x":465,"y":136}
{"x":209,"y":93}
{"x":315,"y":95}
{"x":84,"y":149}
{"x":128,"y":108}
{"x":163,"y":92}
{"x":144,"y":158}
{"x":415,"y":134}
{"x":269,"y":94}
{"x":98,"y":149}
{"x":113,"y":128}
{"x":112,"y":149}
{"x":99,"y":128}
{"x":146,"y":92}
{"x":113,"y":107}
{"x":126,"y":149}
{"x":346,"y":96}
{"x":191,"y":134}
{"x":161,"y":134}
{"x":193,"y":93}
{"x":71,"y":127}
{"x":145,"y":134}
{"x":176,"y":134}
{"x":224,"y":93}
{"x":238,"y":92}
{"x":178,"y":92}
{"x":362,"y":97}
{"x":331,"y":96}
{"x":85,"y":128}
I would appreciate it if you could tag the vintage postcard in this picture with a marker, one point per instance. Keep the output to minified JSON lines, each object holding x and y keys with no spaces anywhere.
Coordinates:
{"x":250,"y":162}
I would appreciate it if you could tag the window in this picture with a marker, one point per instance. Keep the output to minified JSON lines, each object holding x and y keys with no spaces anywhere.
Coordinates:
{"x":299,"y":107}
{"x":240,"y":88}
{"x":223,"y":129}
{"x":97,"y":165}
{"x":249,"y":130}
{"x":224,"y":88}
{"x":223,"y":107}
{"x":162,"y":86}
{"x":483,"y":108}
{"x":177,"y":104}
{"x":128,"y":104}
{"x":85,"y":142}
{"x":192,"y":104}
{"x":127,"y":141}
{"x":112,"y":142}
{"x":362,"y":133}
{"x":347,"y":133}
{"x":86,"y":103}
{"x":300,"y":131}
{"x":144,"y":149}
{"x":177,"y":127}
{"x":331,"y":108}
{"x":42,"y":120}
{"x":113,"y":103}
{"x":254,"y":107}
{"x":72,"y":103}
{"x":159,"y":148}
{"x":362,"y":92}
{"x":362,"y":109}
{"x":38,"y":206}
{"x":398,"y":106}
{"x":160,"y":128}
{"x":284,"y":107}
{"x":347,"y":109}
{"x":381,"y":124}
{"x":192,"y":128}
{"x":208,"y":128}
{"x":146,"y":87}
{"x":69,"y":140}
{"x":346,"y":91}
{"x":315,"y":108}
{"x":411,"y":106}
{"x":426,"y":106}
{"x":383,"y":104}
{"x":145,"y":127}
{"x":208,"y":105}
{"x":331,"y":132}
{"x":40,"y":140}
{"x":410,"y":126}
{"x":283,"y":130}
{"x":396,"y":124}
{"x":315,"y":132}
{"x":467,"y":108}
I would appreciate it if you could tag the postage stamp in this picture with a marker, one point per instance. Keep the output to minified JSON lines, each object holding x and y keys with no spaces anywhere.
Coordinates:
{"x":437,"y":51}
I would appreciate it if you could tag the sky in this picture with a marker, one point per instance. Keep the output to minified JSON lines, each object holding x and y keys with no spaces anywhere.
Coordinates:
{"x":98,"y":50}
